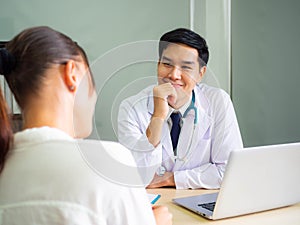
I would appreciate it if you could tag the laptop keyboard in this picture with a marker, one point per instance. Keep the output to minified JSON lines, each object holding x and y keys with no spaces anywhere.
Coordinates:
{"x":209,"y":206}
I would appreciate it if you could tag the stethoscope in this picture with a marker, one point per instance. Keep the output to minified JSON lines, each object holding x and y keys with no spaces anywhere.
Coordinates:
{"x":192,"y":107}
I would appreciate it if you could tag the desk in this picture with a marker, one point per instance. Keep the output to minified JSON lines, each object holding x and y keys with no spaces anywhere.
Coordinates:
{"x":284,"y":216}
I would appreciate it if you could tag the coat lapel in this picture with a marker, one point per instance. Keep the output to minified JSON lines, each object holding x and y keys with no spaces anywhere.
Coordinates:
{"x":202,"y":129}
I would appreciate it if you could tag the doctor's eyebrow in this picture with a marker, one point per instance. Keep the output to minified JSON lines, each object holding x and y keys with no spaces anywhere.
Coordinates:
{"x":164,"y":58}
{"x":188,"y":62}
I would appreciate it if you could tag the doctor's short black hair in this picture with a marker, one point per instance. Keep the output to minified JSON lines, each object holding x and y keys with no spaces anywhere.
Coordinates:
{"x":186,"y":37}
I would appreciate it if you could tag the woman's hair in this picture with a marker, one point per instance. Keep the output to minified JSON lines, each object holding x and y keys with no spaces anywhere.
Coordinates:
{"x":30,"y":53}
{"x":6,"y":133}
{"x":186,"y":37}
{"x":23,"y":63}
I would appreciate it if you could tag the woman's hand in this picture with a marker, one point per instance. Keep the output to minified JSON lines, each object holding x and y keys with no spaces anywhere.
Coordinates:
{"x":162,"y":215}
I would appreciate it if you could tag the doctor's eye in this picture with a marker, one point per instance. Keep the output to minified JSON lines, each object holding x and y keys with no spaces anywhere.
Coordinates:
{"x":167,"y":64}
{"x":186,"y":68}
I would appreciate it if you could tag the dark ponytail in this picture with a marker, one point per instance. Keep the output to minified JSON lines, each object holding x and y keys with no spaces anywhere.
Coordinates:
{"x":7,"y":61}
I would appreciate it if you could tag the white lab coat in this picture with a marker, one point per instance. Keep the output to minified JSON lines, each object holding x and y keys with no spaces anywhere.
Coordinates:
{"x":216,"y":135}
{"x":50,"y":178}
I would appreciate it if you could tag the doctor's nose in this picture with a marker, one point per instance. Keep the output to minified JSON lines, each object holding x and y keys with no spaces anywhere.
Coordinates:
{"x":175,"y":73}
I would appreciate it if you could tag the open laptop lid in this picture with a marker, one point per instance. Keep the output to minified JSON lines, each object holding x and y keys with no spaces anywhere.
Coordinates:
{"x":260,"y":178}
{"x":256,"y":179}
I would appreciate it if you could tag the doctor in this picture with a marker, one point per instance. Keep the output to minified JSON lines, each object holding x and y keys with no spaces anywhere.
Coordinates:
{"x":181,"y":127}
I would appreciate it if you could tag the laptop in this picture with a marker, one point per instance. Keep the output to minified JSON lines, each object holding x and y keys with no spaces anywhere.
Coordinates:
{"x":256,"y":179}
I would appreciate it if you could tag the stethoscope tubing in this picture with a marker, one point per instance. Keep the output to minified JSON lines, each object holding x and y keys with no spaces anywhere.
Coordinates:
{"x":191,"y":107}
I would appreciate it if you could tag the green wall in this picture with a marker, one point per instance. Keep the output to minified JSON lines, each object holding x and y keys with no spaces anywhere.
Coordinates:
{"x":266,"y":70}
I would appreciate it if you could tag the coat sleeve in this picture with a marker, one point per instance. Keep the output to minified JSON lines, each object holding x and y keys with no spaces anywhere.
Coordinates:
{"x":132,"y":125}
{"x":225,"y":137}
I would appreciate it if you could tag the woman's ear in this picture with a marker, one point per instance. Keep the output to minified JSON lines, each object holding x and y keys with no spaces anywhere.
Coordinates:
{"x":71,"y":79}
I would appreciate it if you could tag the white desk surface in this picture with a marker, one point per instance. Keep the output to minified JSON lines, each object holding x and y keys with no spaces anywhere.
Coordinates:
{"x":283,"y":216}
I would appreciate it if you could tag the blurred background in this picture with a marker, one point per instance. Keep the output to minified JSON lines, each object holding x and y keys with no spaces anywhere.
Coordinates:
{"x":254,"y":53}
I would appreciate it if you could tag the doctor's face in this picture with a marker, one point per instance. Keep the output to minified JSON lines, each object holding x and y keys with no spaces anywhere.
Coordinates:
{"x":179,"y":66}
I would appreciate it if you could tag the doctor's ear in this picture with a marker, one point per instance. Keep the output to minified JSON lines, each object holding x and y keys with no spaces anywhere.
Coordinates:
{"x":201,"y":74}
{"x":202,"y":71}
{"x":70,"y":77}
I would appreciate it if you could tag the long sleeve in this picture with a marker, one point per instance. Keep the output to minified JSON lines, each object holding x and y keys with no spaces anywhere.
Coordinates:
{"x":132,"y":125}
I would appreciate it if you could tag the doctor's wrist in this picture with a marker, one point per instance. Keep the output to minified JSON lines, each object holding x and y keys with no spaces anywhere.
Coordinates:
{"x":158,"y":118}
{"x":160,"y":113}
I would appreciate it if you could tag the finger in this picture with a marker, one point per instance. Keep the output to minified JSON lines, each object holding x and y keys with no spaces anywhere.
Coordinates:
{"x":161,"y":208}
{"x":164,"y":91}
{"x":154,"y":207}
{"x":170,"y":91}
